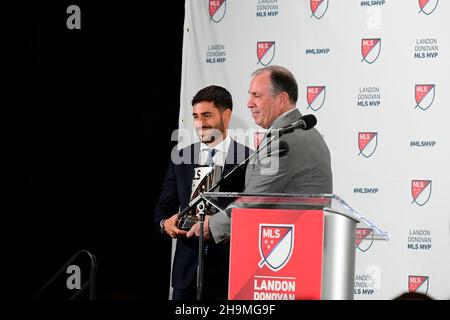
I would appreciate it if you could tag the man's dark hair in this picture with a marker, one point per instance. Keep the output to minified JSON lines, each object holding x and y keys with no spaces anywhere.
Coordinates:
{"x":218,"y":95}
{"x":282,"y":81}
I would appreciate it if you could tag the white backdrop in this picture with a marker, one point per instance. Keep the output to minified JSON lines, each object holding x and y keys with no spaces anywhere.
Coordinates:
{"x":377,"y":76}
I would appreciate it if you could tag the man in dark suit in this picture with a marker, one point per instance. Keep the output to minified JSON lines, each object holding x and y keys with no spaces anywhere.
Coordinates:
{"x":212,"y":109}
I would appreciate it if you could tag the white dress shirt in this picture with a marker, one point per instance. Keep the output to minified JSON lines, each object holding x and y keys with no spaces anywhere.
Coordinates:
{"x":221,"y":152}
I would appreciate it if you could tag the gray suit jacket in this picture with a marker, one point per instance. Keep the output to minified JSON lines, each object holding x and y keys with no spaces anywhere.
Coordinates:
{"x":296,"y":163}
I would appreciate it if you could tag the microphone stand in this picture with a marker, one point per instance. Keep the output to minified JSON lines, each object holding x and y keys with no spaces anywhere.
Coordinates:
{"x":201,"y":251}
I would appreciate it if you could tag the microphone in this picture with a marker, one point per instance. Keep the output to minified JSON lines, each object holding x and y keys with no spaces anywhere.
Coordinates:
{"x":306,"y":122}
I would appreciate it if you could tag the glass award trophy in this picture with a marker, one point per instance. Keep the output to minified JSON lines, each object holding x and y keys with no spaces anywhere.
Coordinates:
{"x":204,"y":178}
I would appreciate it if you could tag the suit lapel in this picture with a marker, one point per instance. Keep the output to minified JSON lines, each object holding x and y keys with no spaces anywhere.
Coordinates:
{"x":230,"y":160}
{"x":288,"y":119}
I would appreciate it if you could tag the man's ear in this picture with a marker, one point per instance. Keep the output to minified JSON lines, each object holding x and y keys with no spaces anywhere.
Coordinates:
{"x":284,"y":98}
{"x":227,"y":115}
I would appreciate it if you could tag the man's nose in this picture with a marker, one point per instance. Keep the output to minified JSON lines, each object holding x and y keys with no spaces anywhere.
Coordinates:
{"x":201,"y":122}
{"x":250,"y":103}
{"x":204,"y":121}
{"x":198,"y":123}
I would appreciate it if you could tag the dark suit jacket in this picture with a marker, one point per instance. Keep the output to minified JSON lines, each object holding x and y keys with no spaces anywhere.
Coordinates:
{"x":175,"y":195}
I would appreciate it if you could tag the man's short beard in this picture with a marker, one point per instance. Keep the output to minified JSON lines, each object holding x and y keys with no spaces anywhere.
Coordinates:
{"x":209,"y":139}
{"x":215,"y":134}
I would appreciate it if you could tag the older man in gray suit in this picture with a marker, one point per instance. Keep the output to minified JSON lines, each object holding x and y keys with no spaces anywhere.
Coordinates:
{"x":297,"y":162}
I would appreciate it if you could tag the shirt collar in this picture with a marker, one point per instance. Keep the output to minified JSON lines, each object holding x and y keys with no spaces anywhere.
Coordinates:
{"x":221,"y":146}
{"x":282,"y":115}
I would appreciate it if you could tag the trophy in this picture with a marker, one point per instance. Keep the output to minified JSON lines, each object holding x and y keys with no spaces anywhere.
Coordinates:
{"x":204,"y":178}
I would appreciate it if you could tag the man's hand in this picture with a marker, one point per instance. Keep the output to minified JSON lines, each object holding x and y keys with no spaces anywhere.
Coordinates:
{"x":170,"y":227}
{"x":196,"y":229}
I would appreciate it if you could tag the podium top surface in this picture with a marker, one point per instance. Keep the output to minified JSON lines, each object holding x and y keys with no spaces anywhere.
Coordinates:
{"x":327,"y":202}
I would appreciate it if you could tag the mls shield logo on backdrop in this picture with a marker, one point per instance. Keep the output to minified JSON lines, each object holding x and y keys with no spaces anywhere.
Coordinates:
{"x":265,"y":50}
{"x":318,"y":8}
{"x":424,"y":94}
{"x":276,"y":244}
{"x":315,"y":96}
{"x":421,"y":191}
{"x":370,"y":49}
{"x":419,"y":284}
{"x":364,"y":238}
{"x":367,"y":143}
{"x":428,"y":6}
{"x":217,"y":9}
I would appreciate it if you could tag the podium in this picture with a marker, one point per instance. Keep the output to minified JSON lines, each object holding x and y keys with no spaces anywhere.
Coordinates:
{"x":292,"y":247}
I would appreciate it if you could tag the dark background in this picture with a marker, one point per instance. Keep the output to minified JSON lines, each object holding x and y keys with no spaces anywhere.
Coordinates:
{"x":90,"y":141}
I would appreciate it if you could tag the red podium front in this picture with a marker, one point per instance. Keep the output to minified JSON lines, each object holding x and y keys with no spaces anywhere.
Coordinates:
{"x":292,"y":246}
{"x":276,"y":254}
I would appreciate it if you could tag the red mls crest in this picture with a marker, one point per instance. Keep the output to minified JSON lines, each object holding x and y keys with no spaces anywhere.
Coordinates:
{"x":364,"y":238}
{"x":428,"y":6}
{"x":276,"y":244}
{"x":217,"y":9}
{"x":418,"y":284}
{"x":315,"y":96}
{"x":367,"y":143}
{"x":265,"y":51}
{"x":424,"y":94}
{"x":370,"y":49}
{"x":318,"y":8}
{"x":421,"y":191}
